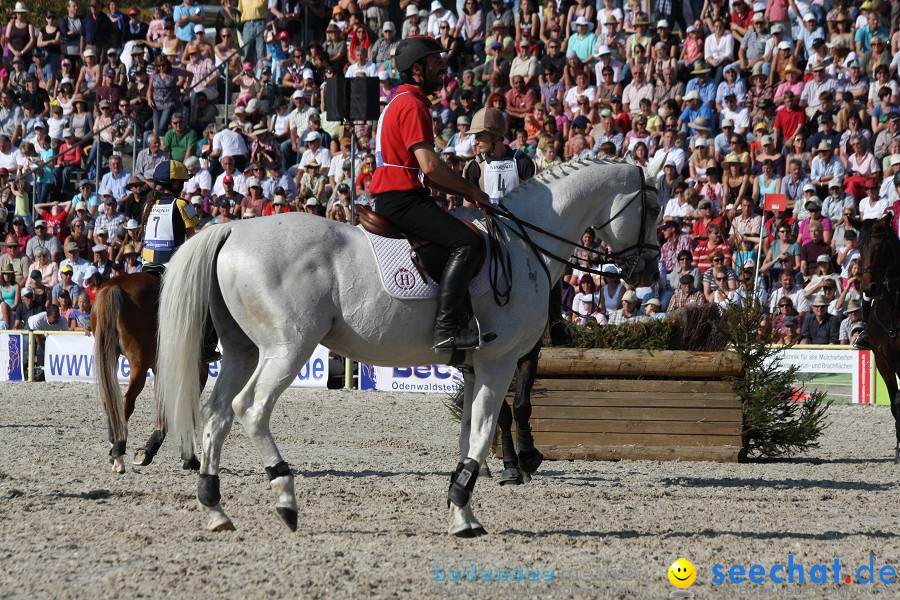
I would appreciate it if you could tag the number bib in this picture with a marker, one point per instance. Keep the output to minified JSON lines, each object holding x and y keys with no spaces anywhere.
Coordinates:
{"x":500,"y":177}
{"x":160,"y":235}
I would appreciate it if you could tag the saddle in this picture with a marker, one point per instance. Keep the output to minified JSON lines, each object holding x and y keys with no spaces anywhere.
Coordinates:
{"x":428,"y":258}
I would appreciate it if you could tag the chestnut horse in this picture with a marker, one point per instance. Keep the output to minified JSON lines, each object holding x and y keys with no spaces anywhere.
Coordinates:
{"x":124,"y":320}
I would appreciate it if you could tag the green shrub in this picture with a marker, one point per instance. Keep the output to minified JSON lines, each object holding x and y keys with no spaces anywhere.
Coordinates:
{"x":775,"y":424}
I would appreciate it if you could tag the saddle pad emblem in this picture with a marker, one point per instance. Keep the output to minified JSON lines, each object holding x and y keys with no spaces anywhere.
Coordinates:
{"x":400,"y":277}
{"x":405,"y":279}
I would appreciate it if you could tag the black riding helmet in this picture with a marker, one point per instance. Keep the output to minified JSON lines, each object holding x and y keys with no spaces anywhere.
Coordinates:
{"x":414,"y":48}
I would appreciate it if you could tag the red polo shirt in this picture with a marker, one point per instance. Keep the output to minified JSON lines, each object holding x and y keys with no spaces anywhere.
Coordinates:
{"x":405,"y":122}
{"x":788,"y":121}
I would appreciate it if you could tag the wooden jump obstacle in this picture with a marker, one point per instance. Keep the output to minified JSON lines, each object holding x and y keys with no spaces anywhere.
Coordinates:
{"x":636,"y":404}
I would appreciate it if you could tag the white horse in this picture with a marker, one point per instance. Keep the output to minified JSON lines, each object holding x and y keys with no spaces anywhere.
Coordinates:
{"x":278,"y":286}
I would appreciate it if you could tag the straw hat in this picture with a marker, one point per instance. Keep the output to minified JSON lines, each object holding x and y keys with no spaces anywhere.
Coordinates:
{"x":699,"y":68}
{"x":820,"y":300}
{"x":259,"y":130}
{"x":128,"y":249}
{"x":700,"y":123}
{"x":732,"y":159}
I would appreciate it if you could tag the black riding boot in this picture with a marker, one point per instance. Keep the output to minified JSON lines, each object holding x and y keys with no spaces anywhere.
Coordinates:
{"x":451,"y":330}
{"x":862,"y":340}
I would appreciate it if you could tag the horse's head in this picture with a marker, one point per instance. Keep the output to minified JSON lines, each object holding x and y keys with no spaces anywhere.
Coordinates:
{"x":636,"y":252}
{"x":878,"y":258}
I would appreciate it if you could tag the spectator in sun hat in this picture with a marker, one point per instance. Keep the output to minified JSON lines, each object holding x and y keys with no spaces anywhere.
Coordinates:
{"x":13,"y":257}
{"x":822,"y":327}
{"x":315,"y":150}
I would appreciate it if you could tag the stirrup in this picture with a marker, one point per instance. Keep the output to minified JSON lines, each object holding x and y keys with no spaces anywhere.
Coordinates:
{"x":450,"y":344}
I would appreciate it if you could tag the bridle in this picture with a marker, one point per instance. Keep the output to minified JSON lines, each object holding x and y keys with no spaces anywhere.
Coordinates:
{"x":627,"y":259}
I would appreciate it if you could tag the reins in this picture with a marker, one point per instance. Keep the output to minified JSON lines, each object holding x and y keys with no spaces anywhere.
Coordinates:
{"x":630,"y":262}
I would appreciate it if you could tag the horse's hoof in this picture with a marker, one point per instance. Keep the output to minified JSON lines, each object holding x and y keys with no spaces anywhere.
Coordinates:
{"x":530,"y":460}
{"x":485,"y":471}
{"x":897,"y":456}
{"x":191,"y":465}
{"x":142,"y":458}
{"x":511,"y":476}
{"x":467,"y":534}
{"x":226,"y":526}
{"x":118,"y":465}
{"x":289,"y":516}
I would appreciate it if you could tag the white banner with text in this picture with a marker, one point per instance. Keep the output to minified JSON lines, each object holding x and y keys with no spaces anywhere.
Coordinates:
{"x":71,"y":358}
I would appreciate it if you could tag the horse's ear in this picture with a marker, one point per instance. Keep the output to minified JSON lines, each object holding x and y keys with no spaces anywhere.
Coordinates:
{"x":855,"y":223}
{"x":887,"y":220}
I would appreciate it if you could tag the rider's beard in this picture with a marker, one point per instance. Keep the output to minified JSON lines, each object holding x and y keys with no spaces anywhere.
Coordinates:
{"x":434,"y":81}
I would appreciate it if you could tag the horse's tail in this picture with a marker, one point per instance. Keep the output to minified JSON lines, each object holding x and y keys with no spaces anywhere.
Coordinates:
{"x":105,"y":318}
{"x":183,"y":306}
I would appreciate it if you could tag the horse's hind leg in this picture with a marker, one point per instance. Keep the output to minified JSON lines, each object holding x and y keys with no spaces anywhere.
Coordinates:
{"x":135,"y":385}
{"x":278,"y":366}
{"x":530,"y":458}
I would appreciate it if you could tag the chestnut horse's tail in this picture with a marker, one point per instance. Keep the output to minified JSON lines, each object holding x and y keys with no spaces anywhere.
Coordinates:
{"x":104,"y":323}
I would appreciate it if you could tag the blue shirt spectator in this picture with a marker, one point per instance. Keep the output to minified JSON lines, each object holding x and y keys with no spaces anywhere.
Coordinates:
{"x":187,"y":9}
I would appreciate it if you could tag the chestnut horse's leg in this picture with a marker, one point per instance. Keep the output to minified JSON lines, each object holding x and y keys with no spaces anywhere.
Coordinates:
{"x":887,"y":359}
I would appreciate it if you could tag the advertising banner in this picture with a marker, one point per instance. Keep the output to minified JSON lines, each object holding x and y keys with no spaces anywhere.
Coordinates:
{"x":71,"y":358}
{"x":844,"y":375}
{"x":427,"y":378}
{"x":11,"y":359}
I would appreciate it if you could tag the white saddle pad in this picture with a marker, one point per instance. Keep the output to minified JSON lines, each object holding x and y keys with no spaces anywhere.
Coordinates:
{"x":400,"y":277}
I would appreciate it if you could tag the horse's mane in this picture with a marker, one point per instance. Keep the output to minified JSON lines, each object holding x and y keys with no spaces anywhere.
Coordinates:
{"x":554,"y":173}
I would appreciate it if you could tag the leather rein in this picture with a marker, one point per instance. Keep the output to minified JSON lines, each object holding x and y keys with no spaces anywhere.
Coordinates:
{"x":627,"y":258}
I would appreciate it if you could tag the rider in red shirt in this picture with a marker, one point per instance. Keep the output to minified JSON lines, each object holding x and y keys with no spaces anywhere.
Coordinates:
{"x":407,"y":166}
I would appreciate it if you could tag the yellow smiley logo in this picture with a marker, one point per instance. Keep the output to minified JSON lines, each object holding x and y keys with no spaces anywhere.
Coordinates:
{"x":682,"y":573}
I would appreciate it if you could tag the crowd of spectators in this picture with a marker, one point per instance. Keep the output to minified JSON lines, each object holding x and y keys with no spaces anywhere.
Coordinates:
{"x":736,"y":104}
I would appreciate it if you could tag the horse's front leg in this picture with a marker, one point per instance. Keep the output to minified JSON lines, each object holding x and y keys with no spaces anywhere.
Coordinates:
{"x":480,"y":412}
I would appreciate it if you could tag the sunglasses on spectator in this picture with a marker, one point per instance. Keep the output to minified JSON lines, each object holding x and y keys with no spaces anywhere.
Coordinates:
{"x":717,"y":259}
{"x":721,"y":278}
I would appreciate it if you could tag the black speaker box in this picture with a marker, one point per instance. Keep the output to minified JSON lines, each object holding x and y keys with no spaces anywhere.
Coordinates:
{"x":354,"y":98}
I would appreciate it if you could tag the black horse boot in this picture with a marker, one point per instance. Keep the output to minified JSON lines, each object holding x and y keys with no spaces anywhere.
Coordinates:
{"x":530,"y":458}
{"x":452,"y":333}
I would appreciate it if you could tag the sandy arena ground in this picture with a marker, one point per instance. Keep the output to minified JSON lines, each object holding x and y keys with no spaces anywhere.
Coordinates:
{"x":372,"y":480}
